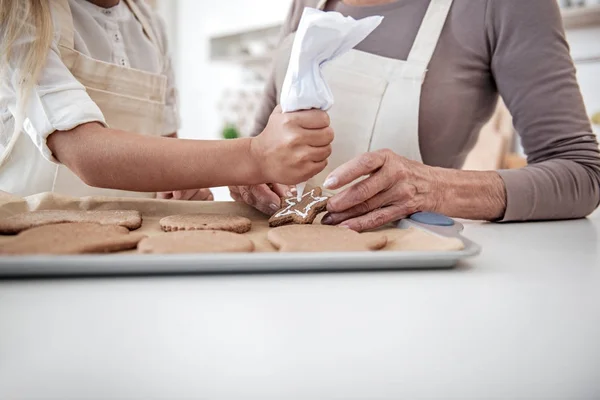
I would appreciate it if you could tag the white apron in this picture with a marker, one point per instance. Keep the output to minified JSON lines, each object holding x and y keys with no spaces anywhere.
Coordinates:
{"x":376,"y":99}
{"x":130,"y":99}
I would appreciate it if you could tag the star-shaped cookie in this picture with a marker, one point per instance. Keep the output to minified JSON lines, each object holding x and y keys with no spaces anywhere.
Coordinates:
{"x":304,"y":211}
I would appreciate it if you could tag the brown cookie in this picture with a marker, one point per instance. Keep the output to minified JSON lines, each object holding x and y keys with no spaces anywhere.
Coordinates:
{"x":71,"y":238}
{"x":20,"y":222}
{"x":304,"y":211}
{"x":322,"y":238}
{"x":206,"y":222}
{"x":196,"y":242}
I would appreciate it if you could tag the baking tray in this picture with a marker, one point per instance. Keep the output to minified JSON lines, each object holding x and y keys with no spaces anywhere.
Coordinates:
{"x":122,"y":264}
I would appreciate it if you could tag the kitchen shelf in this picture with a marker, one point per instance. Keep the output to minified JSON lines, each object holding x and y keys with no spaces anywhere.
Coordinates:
{"x":581,"y":17}
{"x":587,"y":60}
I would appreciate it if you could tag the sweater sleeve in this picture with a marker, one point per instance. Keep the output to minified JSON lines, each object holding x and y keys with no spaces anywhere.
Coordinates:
{"x":536,"y":77}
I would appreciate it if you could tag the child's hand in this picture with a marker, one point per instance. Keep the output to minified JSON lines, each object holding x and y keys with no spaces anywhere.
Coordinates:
{"x":265,"y":198}
{"x":193,"y":194}
{"x":294,"y":147}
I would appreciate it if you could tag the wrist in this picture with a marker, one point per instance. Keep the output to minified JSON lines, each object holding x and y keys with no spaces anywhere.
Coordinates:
{"x":477,"y":195}
{"x":255,"y":161}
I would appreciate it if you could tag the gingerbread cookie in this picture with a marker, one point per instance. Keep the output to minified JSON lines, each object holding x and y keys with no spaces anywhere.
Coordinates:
{"x":20,"y":222}
{"x":71,"y":238}
{"x":206,"y":222}
{"x":196,"y":242}
{"x":304,"y":211}
{"x":323,"y":238}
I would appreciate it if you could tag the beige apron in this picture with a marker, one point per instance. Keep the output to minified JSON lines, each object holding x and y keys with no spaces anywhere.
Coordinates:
{"x":376,"y":99}
{"x":130,"y":99}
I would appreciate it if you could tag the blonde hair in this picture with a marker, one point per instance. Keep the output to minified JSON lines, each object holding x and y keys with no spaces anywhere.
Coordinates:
{"x":20,"y":20}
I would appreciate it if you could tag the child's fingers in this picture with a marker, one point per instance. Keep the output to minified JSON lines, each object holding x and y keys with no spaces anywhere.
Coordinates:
{"x":234,"y":192}
{"x":261,"y":197}
{"x":203,"y":195}
{"x":164,"y":195}
{"x":181,"y":195}
{"x":282,"y":190}
{"x":318,"y":154}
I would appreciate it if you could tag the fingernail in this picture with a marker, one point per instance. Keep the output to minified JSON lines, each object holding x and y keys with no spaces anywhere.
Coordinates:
{"x":327,"y":220}
{"x":293,"y":190}
{"x":289,"y":193}
{"x":274,"y":207}
{"x":330,"y":182}
{"x":345,"y":226}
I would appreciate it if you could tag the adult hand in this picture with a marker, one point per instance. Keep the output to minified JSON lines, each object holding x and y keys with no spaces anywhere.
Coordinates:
{"x":192,"y":195}
{"x":395,"y":188}
{"x":294,"y":146}
{"x":265,"y":198}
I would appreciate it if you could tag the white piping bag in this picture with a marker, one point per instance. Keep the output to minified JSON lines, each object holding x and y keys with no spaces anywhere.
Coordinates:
{"x":321,"y":37}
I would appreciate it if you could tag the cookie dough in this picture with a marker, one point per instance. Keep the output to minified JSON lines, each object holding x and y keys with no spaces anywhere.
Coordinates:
{"x":196,"y":242}
{"x":204,"y":222}
{"x":71,"y":238}
{"x":323,"y":238}
{"x":20,"y":222}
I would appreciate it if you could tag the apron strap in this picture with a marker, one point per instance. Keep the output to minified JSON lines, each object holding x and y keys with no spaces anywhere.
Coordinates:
{"x":145,"y":23}
{"x":65,"y":20}
{"x":321,"y":5}
{"x":430,"y":32}
{"x":67,"y":31}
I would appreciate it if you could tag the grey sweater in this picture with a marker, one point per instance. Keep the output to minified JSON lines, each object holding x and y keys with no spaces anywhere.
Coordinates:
{"x":513,"y":48}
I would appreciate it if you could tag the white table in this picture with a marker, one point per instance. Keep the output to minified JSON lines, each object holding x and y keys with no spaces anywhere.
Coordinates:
{"x":521,"y":320}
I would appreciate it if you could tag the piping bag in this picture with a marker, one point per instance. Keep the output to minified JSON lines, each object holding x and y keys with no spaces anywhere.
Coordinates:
{"x":321,"y":37}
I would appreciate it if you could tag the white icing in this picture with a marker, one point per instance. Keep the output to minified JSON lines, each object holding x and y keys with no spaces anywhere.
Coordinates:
{"x":293,"y":202}
{"x":300,"y":191}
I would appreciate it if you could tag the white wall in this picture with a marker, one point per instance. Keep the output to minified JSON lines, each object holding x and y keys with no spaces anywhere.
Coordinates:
{"x":200,"y":82}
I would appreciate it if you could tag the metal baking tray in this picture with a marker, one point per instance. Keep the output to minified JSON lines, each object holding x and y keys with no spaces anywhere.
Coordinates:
{"x":120,"y":264}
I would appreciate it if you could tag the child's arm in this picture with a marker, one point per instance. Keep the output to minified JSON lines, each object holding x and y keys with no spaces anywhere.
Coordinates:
{"x":292,"y":148}
{"x":189,"y":194}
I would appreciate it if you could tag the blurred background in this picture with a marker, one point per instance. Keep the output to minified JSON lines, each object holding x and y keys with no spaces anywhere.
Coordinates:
{"x":221,"y":51}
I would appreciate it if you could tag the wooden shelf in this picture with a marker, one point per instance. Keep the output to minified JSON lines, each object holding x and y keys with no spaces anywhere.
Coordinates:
{"x":581,"y":17}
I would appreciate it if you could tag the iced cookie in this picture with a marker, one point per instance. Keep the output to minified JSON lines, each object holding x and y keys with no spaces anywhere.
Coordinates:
{"x":206,"y":222}
{"x":304,"y":211}
{"x":71,"y":238}
{"x":322,"y":238}
{"x":20,"y":222}
{"x":196,"y":242}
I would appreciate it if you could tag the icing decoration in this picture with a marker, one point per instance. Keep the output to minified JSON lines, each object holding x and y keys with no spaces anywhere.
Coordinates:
{"x":301,"y":211}
{"x":295,"y":207}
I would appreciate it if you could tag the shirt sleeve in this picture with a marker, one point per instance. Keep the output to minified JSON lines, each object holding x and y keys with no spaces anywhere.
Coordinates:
{"x":57,"y":103}
{"x":536,"y":77}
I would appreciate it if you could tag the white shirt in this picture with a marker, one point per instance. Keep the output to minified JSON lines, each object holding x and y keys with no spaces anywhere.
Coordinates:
{"x":59,"y":101}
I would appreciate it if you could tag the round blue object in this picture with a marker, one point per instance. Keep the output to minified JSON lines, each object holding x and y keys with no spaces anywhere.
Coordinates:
{"x":429,"y":218}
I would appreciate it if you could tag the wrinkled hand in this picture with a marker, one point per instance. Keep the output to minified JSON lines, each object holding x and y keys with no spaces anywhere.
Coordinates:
{"x":395,"y":188}
{"x":192,"y":195}
{"x":293,"y":147}
{"x":265,"y":198}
